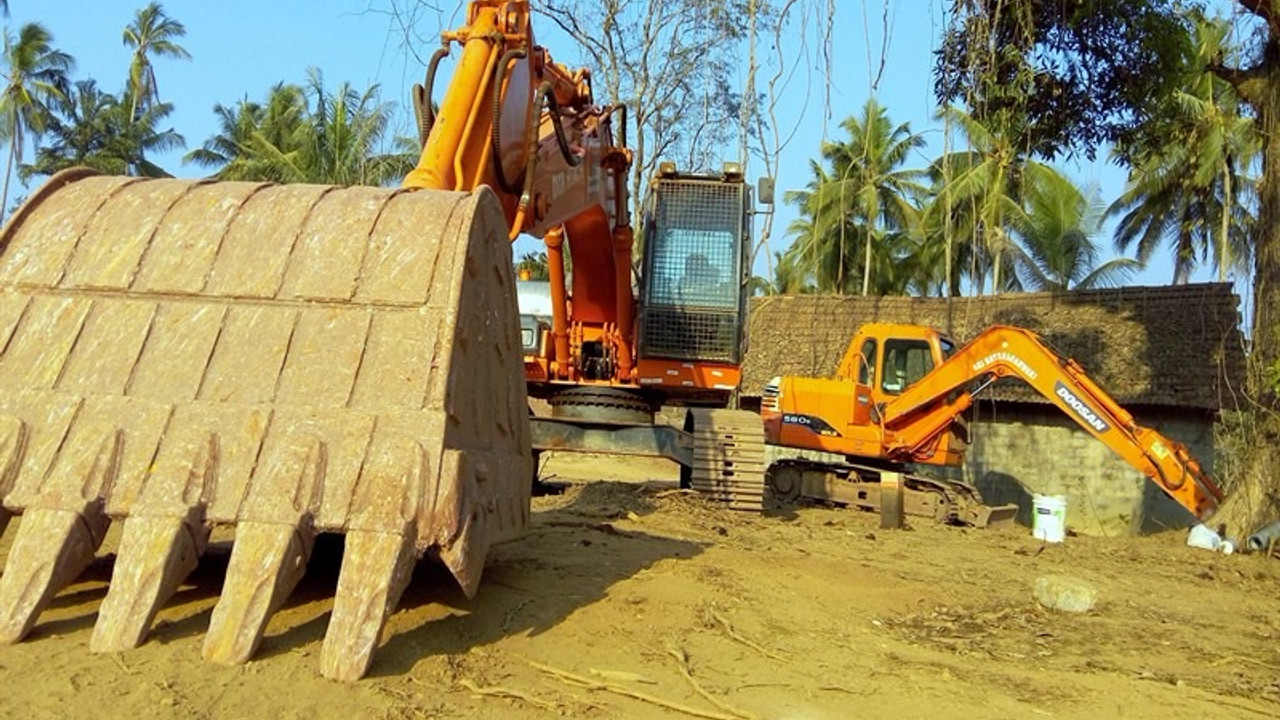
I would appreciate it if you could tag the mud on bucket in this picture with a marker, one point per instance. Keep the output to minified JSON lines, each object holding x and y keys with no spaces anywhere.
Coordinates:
{"x":1049,"y":517}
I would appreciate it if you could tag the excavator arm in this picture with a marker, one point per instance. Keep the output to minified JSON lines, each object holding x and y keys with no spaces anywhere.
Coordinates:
{"x":527,"y":127}
{"x":916,"y":418}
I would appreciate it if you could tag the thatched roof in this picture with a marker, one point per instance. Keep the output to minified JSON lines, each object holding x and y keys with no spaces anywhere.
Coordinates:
{"x":1176,"y":346}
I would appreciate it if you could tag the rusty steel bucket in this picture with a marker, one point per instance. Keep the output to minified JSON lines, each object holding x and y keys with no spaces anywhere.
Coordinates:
{"x":288,"y":360}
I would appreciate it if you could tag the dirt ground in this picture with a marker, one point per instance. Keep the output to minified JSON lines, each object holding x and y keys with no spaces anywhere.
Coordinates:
{"x":630,"y":599}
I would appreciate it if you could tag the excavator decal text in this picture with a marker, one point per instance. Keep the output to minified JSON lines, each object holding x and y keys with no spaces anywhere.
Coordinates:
{"x":1079,"y":407}
{"x":1010,"y":358}
{"x":816,"y":424}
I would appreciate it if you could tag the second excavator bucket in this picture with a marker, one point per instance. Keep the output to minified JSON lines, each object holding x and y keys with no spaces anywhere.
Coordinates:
{"x":288,"y":360}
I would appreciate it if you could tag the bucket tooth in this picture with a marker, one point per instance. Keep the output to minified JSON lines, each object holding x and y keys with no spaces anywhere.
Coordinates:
{"x":52,"y":548}
{"x":156,"y":554}
{"x":60,"y":534}
{"x":13,"y":444}
{"x":380,"y":552}
{"x":162,"y":543}
{"x":376,"y":568}
{"x":460,"y":537}
{"x":267,"y":561}
{"x":274,"y":539}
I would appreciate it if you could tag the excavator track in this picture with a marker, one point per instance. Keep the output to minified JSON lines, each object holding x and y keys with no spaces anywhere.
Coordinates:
{"x":287,"y":360}
{"x":728,"y":457}
{"x":947,"y":501}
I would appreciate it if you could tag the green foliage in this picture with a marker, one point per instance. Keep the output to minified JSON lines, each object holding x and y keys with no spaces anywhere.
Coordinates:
{"x":1076,"y":73}
{"x":1190,"y":186}
{"x":1056,"y":249}
{"x":95,"y":129}
{"x":535,"y":264}
{"x":790,"y":277}
{"x":308,"y":135}
{"x":1273,"y":377}
{"x":857,"y":213}
{"x":979,"y":191}
{"x":990,"y":215}
{"x":151,"y":34}
{"x":37,"y":75}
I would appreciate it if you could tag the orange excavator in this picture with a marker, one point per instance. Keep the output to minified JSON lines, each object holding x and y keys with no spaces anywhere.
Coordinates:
{"x":605,"y":373}
{"x":898,"y":399}
{"x":284,"y":361}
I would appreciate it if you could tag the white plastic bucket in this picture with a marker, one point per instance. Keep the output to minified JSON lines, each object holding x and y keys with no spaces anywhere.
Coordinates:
{"x":1049,"y":517}
{"x":1201,"y":536}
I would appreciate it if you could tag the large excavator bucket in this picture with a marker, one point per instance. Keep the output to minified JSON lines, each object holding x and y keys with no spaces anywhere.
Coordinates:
{"x":287,"y":360}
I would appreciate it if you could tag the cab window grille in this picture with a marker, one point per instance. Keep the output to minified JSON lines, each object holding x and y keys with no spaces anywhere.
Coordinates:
{"x":692,"y":280}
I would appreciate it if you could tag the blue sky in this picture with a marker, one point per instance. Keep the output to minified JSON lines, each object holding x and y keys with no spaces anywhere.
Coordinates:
{"x":241,"y":48}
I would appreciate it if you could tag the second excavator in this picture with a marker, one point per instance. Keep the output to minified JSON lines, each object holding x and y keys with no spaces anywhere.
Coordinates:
{"x":898,"y":400}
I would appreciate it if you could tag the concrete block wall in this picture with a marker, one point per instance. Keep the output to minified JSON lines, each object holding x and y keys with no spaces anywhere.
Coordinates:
{"x":1022,"y":449}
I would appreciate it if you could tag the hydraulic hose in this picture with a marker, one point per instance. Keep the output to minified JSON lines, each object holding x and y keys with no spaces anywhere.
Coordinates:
{"x":422,"y":105}
{"x":495,"y":155}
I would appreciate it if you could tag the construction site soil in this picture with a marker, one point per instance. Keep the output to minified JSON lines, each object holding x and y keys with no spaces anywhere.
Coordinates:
{"x":632,"y":599}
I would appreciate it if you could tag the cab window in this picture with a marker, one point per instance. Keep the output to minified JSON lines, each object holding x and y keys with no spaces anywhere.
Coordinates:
{"x":905,"y":362}
{"x":867,"y":364}
{"x":948,"y":348}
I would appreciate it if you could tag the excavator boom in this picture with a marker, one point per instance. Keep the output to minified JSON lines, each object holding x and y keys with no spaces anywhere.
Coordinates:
{"x":1003,"y":351}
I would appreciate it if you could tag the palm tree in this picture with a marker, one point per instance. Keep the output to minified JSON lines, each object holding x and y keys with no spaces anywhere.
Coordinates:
{"x":856,"y":210}
{"x":36,"y":74}
{"x":254,"y":137}
{"x":872,"y":184}
{"x":941,"y":262}
{"x":983,"y":194}
{"x":1190,"y":187}
{"x":1155,"y":210}
{"x":1057,"y":250}
{"x":151,"y":34}
{"x":535,"y":264}
{"x":308,"y":135}
{"x":93,"y":128}
{"x":237,"y":124}
{"x":345,"y":145}
{"x":77,"y":131}
{"x":790,"y":277}
{"x":142,"y":137}
{"x":824,"y":236}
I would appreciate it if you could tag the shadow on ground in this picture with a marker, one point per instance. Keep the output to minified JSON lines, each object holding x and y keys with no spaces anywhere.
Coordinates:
{"x":570,"y":558}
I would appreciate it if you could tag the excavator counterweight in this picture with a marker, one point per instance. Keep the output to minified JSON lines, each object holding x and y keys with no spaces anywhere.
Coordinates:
{"x":287,"y":360}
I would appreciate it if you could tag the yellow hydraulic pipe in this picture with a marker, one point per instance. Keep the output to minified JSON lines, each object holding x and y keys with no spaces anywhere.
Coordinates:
{"x":438,"y":166}
{"x":559,"y":307}
{"x":623,"y":239}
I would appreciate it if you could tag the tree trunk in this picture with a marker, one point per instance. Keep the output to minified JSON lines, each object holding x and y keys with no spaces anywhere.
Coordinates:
{"x":8,"y":172}
{"x":1254,"y":498}
{"x":1266,"y":280}
{"x":1224,"y":246}
{"x":866,"y":268}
